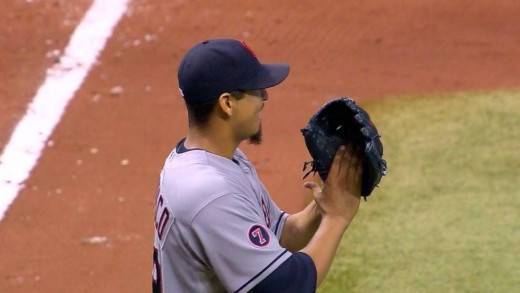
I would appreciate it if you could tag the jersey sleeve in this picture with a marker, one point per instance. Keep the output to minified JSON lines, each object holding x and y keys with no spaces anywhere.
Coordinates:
{"x":277,"y":217}
{"x":231,"y":237}
{"x":297,"y":274}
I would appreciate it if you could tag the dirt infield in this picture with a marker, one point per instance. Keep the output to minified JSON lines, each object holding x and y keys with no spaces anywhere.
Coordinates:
{"x":99,"y":176}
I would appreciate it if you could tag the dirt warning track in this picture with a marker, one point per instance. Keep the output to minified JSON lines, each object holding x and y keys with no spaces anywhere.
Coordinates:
{"x":84,"y":220}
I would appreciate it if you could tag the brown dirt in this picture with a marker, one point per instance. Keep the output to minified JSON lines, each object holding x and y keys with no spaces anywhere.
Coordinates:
{"x":336,"y":48}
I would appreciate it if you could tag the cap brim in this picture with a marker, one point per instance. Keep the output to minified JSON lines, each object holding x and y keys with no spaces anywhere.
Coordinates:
{"x":268,"y":76}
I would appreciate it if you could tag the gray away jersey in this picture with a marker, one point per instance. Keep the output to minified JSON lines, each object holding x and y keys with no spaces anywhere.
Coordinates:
{"x":217,"y":228}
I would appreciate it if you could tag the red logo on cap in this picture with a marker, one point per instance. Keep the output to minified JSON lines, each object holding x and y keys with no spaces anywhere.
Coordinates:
{"x":247,"y":48}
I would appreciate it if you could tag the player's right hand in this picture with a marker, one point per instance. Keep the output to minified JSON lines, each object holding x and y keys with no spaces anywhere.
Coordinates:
{"x":339,"y":198}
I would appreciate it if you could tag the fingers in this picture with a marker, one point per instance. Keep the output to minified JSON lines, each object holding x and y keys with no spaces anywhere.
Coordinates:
{"x":336,"y":167}
{"x":359,"y":168}
{"x":312,"y":186}
{"x":355,"y":171}
{"x":346,"y":167}
{"x":345,"y":161}
{"x":354,"y":161}
{"x":309,"y":184}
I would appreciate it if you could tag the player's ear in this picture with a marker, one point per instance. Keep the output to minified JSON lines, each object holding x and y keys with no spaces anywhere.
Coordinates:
{"x":226,"y":104}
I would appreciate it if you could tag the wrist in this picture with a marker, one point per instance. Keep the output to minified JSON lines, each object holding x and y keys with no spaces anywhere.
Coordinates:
{"x":335,"y":221}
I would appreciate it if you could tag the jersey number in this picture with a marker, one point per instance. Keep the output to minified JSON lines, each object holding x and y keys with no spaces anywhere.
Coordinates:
{"x":257,"y":233}
{"x":258,"y":236}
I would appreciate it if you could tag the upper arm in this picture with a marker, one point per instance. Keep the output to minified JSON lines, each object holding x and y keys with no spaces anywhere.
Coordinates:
{"x":232,"y":238}
{"x":296,"y":274}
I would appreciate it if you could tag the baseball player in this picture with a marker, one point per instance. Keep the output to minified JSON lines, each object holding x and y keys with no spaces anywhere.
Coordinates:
{"x":216,"y":227}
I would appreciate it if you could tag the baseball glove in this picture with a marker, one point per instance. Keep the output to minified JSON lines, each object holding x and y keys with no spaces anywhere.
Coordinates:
{"x":343,"y":122}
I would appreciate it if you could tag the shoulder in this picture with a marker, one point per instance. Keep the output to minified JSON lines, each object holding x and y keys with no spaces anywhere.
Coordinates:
{"x":193,"y":179}
{"x":198,"y":170}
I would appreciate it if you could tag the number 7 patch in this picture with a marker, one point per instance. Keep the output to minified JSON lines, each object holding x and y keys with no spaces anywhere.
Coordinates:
{"x":258,"y":236}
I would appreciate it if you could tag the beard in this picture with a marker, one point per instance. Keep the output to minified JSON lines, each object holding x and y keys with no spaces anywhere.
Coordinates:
{"x":256,"y":138}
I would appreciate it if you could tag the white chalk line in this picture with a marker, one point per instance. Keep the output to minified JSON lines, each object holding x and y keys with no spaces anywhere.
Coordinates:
{"x":29,"y":137}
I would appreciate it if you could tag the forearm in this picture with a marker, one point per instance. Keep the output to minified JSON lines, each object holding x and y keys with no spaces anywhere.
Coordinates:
{"x":299,"y":228}
{"x":338,"y":202}
{"x":323,"y":246}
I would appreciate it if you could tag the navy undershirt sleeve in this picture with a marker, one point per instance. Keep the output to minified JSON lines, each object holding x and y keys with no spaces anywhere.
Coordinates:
{"x":296,"y":274}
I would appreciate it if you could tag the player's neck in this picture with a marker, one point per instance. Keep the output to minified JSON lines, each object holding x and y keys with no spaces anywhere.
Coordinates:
{"x":211,"y":140}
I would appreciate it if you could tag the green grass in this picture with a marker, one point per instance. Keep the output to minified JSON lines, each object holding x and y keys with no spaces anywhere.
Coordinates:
{"x":447,"y":216}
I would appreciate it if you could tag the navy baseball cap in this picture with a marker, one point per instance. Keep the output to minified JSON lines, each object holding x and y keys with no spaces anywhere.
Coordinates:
{"x":217,"y":66}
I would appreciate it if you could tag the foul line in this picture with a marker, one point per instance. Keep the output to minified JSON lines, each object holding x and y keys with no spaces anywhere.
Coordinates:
{"x":62,"y":81}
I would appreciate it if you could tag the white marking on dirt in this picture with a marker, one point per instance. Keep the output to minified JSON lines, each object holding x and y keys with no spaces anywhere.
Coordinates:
{"x":28,"y":140}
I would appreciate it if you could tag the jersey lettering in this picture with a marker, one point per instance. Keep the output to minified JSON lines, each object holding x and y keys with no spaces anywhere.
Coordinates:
{"x":265,"y":209}
{"x":163,"y":221}
{"x":157,"y":273}
{"x":165,"y":216}
{"x":162,"y":217}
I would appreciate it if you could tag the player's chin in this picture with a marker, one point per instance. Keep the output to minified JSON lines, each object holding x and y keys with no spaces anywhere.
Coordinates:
{"x":256,"y":138}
